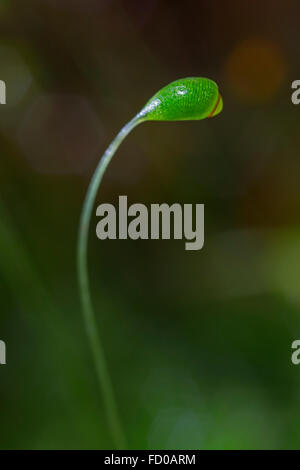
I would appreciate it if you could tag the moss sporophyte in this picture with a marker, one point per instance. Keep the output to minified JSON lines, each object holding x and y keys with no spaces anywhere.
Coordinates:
{"x":186,"y":99}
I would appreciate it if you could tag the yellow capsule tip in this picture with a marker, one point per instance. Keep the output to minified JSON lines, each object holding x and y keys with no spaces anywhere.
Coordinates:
{"x":217,"y":108}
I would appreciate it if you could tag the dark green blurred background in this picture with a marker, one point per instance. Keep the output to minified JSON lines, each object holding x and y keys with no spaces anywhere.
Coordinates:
{"x":198,"y":343}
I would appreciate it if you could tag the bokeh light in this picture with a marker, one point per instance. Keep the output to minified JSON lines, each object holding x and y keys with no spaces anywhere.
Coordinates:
{"x":60,"y":134}
{"x":255,"y":70}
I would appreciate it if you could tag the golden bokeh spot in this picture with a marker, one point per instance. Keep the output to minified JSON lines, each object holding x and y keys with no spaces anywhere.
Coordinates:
{"x":255,"y":70}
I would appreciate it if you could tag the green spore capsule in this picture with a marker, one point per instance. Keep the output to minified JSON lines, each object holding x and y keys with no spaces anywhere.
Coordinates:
{"x":182,"y":100}
{"x":191,"y":98}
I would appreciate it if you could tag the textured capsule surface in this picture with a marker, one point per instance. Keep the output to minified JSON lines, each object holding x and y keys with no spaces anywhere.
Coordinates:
{"x":185,"y":99}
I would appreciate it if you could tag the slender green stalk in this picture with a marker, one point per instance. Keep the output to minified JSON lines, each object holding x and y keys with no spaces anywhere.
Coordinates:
{"x":102,"y":371}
